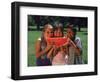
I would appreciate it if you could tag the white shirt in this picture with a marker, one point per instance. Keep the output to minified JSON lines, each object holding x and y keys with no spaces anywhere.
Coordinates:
{"x":78,"y":42}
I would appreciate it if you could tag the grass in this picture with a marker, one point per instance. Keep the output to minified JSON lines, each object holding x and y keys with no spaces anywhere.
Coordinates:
{"x":34,"y":35}
{"x":83,"y":36}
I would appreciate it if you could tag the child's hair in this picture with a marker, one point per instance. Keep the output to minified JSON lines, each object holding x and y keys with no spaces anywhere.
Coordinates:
{"x":72,"y":28}
{"x":47,"y":26}
{"x":44,"y":29}
{"x":58,"y":26}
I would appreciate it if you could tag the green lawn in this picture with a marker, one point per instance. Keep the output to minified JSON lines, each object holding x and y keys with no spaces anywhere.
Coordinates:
{"x":34,"y":35}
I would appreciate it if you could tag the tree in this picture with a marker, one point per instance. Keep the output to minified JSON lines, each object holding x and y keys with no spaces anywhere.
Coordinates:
{"x":37,"y":21}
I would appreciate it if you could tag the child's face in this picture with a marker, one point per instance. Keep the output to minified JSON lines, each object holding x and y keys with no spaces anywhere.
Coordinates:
{"x":70,"y":33}
{"x":58,"y":33}
{"x":48,"y":33}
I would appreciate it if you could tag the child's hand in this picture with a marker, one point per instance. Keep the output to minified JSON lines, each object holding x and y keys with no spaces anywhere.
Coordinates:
{"x":67,"y":43}
{"x":54,"y":47}
{"x":48,"y":48}
{"x":49,"y":55}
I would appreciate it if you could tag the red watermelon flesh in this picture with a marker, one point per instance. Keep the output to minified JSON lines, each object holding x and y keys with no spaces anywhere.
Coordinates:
{"x":57,"y":41}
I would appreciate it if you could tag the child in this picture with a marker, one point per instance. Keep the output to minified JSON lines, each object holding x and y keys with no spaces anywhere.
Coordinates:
{"x":75,"y":47}
{"x":59,"y":52}
{"x":42,"y":47}
{"x":58,"y":30}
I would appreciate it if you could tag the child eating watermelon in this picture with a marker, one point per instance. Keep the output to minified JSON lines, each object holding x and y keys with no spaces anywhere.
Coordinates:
{"x":75,"y":47}
{"x":58,"y":50}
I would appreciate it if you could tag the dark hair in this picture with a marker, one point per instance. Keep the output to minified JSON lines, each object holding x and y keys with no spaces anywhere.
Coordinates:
{"x":58,"y":26}
{"x":72,"y":28}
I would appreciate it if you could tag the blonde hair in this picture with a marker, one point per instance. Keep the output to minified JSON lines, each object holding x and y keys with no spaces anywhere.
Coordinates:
{"x":44,"y":29}
{"x":47,"y":26}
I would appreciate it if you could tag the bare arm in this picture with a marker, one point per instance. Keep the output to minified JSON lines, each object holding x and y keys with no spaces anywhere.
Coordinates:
{"x":40,"y":52}
{"x":50,"y":53}
{"x":53,"y":51}
{"x":78,"y":50}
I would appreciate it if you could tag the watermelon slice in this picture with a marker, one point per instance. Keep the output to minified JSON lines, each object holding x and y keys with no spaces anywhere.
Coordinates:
{"x":57,"y":41}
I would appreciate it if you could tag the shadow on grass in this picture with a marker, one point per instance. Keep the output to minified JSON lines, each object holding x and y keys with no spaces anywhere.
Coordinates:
{"x":85,"y":33}
{"x":31,"y":29}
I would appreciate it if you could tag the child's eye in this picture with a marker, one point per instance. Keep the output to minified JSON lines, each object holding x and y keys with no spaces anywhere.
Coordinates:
{"x":48,"y":32}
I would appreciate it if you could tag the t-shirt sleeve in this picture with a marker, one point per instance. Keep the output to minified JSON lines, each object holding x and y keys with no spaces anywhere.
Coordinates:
{"x":39,"y":39}
{"x":78,"y":43}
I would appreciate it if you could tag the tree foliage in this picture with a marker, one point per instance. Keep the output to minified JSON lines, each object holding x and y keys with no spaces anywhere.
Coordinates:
{"x":36,"y":20}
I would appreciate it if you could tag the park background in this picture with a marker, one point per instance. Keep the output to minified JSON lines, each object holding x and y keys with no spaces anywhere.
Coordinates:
{"x":35,"y":26}
{"x":5,"y":41}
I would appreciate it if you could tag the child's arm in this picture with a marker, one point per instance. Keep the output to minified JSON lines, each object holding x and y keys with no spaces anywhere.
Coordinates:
{"x":39,"y":53}
{"x":78,"y":50}
{"x":50,"y":53}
